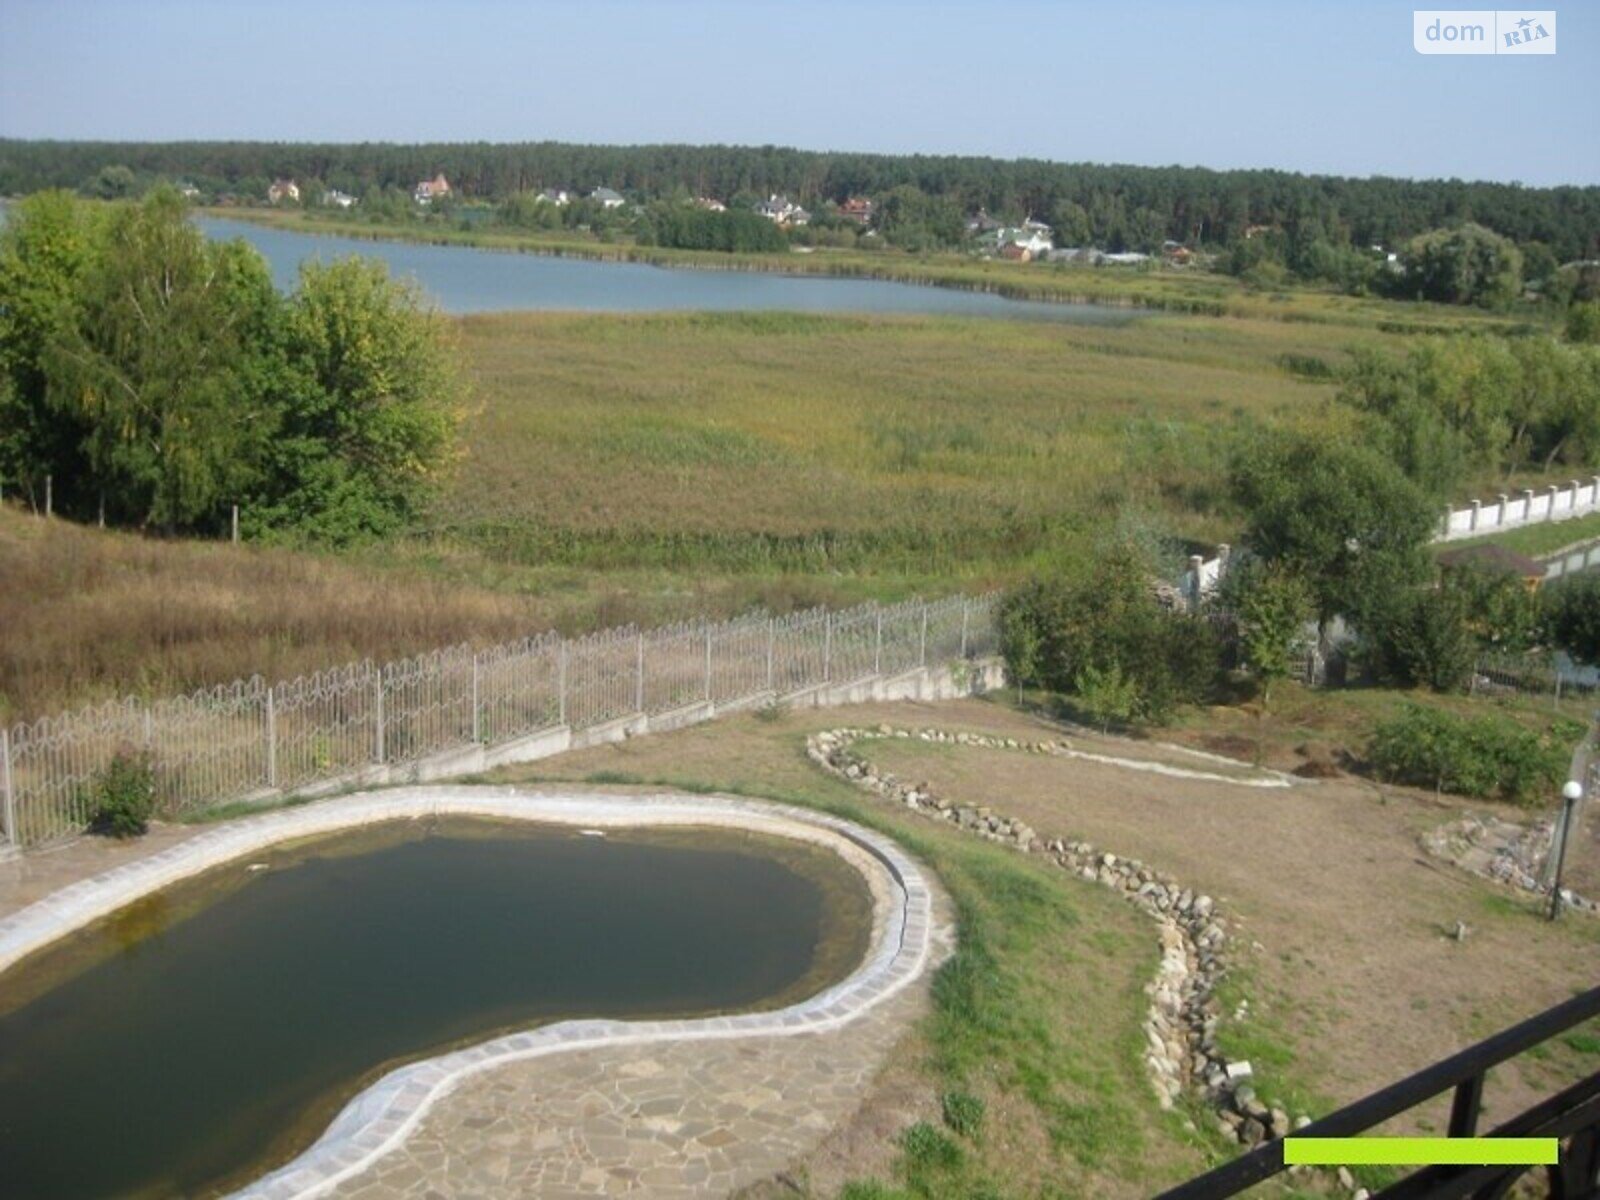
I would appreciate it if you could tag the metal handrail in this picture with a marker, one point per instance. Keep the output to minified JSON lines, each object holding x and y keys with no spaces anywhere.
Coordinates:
{"x":1463,"y":1072}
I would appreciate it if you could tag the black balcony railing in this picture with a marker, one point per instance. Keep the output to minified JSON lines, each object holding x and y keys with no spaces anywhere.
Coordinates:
{"x":1572,"y":1115}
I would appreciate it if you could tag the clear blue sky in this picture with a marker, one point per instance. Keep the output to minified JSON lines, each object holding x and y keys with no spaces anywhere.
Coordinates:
{"x":1330,"y":87}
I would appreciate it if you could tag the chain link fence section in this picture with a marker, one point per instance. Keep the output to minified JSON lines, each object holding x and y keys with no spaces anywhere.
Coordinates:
{"x":249,"y":740}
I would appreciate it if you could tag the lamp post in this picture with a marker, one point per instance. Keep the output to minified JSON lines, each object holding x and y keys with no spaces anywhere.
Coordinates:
{"x":1570,"y":795}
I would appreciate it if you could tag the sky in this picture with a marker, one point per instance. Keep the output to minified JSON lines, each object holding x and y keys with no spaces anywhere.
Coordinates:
{"x":1331,"y":87}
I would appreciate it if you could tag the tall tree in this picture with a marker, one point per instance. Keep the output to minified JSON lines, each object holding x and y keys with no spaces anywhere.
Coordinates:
{"x":149,"y":363}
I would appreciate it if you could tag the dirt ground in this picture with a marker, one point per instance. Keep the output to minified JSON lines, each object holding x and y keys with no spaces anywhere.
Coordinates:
{"x":1352,"y":976}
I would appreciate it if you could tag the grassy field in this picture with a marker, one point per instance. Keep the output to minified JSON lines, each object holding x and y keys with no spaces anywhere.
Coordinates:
{"x":918,"y":448}
{"x":659,"y":467}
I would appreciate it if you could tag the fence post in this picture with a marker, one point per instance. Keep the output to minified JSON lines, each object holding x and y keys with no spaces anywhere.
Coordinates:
{"x":1557,"y":671}
{"x":377,"y":730}
{"x":272,"y":740}
{"x":922,"y":640}
{"x":10,"y":792}
{"x":964,"y":613}
{"x":827,"y":647}
{"x":234,"y":530}
{"x":708,"y":662}
{"x":772,"y":638}
{"x":49,"y":494}
{"x":638,"y":685}
{"x":477,"y":725}
{"x":877,"y":647}
{"x":561,"y":684}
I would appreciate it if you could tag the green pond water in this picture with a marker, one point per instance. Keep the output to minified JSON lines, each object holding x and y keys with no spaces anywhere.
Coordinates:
{"x":200,"y":1037}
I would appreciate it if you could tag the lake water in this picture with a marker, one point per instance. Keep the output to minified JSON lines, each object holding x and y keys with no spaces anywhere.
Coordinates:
{"x":212,"y":1030}
{"x":466,"y":280}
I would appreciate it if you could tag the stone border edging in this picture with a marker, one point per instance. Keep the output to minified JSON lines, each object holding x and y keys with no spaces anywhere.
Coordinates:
{"x":1184,"y":1014}
{"x":380,"y":1117}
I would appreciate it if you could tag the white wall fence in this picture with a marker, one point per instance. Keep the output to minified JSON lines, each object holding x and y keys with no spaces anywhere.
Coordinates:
{"x":456,"y":710}
{"x":1580,"y":558}
{"x":1528,"y":507}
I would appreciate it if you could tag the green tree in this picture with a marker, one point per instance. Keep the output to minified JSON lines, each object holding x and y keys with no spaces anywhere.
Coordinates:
{"x":1583,"y":323}
{"x":1418,"y":637}
{"x":1270,"y":605}
{"x":1465,"y":265}
{"x":371,"y":405}
{"x":114,"y":182}
{"x":46,"y":248}
{"x":1572,"y":616}
{"x":149,"y":365}
{"x":1106,"y":639}
{"x":1341,"y":516}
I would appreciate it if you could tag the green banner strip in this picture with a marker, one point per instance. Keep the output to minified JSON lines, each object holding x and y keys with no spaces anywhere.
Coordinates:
{"x":1420,"y":1151}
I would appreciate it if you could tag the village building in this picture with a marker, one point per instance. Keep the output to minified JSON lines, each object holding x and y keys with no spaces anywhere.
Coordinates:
{"x":283,"y":189}
{"x":858,"y":209}
{"x":430,"y":190}
{"x":606,"y":198}
{"x":782,"y":211}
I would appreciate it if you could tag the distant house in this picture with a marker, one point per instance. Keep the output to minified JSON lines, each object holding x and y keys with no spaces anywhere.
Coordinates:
{"x":1255,"y":231}
{"x":857,"y":209}
{"x":560,"y":197}
{"x":1032,"y":226}
{"x":782,"y":211}
{"x":283,"y":189}
{"x":981,"y":223}
{"x":1176,"y":253}
{"x":1493,"y":556}
{"x":430,"y":190}
{"x":334,"y":198}
{"x":606,"y":198}
{"x":187,"y":190}
{"x":1031,"y":240}
{"x":709,"y":205}
{"x":1127,"y":258}
{"x":1016,"y":252}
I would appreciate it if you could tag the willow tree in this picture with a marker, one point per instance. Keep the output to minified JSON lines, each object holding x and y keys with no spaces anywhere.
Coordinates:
{"x":152,"y":364}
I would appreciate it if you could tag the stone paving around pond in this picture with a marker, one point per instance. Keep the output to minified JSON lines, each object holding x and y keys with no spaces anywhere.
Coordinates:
{"x":659,"y":1121}
{"x":645,"y":1109}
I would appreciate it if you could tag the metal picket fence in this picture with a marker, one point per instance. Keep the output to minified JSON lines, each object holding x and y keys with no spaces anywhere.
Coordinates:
{"x":250,"y":739}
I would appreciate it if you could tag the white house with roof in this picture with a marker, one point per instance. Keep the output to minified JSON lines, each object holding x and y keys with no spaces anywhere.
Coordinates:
{"x":606,"y":198}
{"x":560,"y":197}
{"x":1035,"y":242}
{"x":334,"y":198}
{"x":281,"y":190}
{"x":781,"y":210}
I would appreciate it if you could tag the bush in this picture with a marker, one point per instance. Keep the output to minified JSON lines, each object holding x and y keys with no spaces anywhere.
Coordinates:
{"x":928,"y":1149}
{"x":122,"y":797}
{"x":1108,"y":641}
{"x":1571,"y":611}
{"x":1419,"y":639}
{"x":963,"y":1112}
{"x":1489,"y":757}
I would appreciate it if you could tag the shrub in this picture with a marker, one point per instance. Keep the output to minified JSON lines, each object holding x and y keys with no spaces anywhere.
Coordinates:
{"x":963,"y":1112}
{"x":1571,"y":611}
{"x":1489,"y":757}
{"x":928,"y":1149}
{"x":122,"y":796}
{"x":1419,"y":639}
{"x":1106,"y":639}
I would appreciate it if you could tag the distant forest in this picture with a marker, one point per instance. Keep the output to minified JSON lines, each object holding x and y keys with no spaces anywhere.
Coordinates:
{"x":1104,"y":205}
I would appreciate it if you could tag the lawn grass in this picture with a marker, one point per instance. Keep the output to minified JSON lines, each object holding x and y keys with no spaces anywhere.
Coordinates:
{"x":1537,"y":541}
